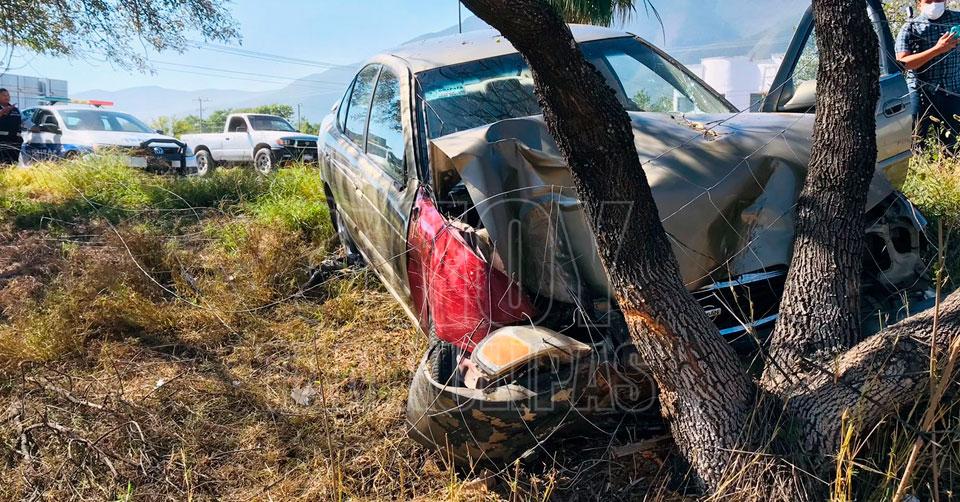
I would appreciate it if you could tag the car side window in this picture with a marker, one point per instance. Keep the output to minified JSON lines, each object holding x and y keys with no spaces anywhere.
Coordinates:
{"x":385,"y":143}
{"x":44,"y":117}
{"x":237,"y":125}
{"x":356,"y":124}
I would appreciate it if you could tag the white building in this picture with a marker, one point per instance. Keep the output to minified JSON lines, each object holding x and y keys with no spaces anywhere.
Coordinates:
{"x":741,"y":80}
{"x":27,"y":92}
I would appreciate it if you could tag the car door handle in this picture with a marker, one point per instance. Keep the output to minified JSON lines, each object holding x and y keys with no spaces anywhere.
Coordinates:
{"x":894,"y":107}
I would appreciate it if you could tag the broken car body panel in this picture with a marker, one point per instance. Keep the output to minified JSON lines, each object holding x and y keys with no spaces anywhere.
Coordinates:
{"x":461,"y":203}
{"x":725,"y":197}
{"x":456,"y":291}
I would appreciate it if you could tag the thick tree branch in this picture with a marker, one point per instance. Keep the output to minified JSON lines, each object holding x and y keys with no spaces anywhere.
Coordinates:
{"x":876,"y":377}
{"x":819,"y":313}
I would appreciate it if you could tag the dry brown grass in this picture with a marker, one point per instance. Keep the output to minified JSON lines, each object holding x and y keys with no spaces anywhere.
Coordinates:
{"x":152,"y":353}
{"x":154,"y":357}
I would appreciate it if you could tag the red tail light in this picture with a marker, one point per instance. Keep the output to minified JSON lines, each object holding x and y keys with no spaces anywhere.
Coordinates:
{"x":455,"y":287}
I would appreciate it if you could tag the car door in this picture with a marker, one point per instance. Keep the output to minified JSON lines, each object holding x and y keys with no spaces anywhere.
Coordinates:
{"x":794,"y":91}
{"x":236,"y":141}
{"x":44,"y":138}
{"x":387,"y":188}
{"x":345,"y":154}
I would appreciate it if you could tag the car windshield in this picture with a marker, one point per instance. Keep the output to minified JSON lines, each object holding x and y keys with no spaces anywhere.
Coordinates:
{"x":477,"y":93}
{"x":270,"y":123}
{"x":100,"y":120}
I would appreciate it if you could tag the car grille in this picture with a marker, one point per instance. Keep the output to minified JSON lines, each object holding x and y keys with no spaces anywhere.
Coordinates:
{"x":163,"y":152}
{"x":304,"y":143}
{"x":738,"y":305}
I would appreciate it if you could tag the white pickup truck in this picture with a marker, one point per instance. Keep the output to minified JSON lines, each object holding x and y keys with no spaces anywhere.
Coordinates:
{"x":266,"y":141}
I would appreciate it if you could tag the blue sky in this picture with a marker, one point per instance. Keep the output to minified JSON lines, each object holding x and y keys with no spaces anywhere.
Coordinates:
{"x":333,"y":31}
{"x":345,"y":32}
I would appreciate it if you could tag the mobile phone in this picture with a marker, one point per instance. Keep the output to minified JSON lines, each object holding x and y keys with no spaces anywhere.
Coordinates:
{"x":955,"y":31}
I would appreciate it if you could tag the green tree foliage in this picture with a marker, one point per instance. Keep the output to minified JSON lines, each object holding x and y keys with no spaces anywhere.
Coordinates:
{"x":896,"y":11}
{"x":601,"y":12}
{"x":120,"y":30}
{"x":176,"y":126}
{"x":645,"y":102}
{"x":216,"y":120}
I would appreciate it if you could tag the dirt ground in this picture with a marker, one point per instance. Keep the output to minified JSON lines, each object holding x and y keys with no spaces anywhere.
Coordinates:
{"x":118,"y":387}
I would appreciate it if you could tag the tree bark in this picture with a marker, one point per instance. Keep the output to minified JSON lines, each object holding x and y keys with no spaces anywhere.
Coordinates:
{"x":713,"y":406}
{"x":819,"y":312}
{"x":706,"y":395}
{"x":876,"y":377}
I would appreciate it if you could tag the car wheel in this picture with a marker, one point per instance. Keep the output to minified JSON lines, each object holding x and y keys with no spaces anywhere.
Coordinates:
{"x":263,"y":161}
{"x":205,"y":163}
{"x":349,"y":247}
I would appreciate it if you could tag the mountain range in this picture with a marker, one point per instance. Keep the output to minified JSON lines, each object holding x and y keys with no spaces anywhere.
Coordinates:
{"x":315,"y":94}
{"x":688,"y":29}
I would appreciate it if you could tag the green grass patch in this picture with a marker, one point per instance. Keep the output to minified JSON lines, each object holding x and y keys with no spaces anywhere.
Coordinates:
{"x":933,"y":185}
{"x":103,"y":187}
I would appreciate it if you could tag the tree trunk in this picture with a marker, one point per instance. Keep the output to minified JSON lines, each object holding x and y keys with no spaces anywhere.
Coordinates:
{"x":713,"y":406}
{"x":706,"y":395}
{"x":819,"y":312}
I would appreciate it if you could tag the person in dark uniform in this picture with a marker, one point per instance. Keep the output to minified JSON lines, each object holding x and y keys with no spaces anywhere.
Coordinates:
{"x":926,"y":49}
{"x":10,"y":122}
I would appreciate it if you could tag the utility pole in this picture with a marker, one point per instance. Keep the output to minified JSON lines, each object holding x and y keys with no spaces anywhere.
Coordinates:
{"x":201,"y":101}
{"x":299,"y":120}
{"x":460,"y":16}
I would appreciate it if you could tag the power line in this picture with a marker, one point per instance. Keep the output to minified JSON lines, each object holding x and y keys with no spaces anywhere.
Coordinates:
{"x":259,"y":75}
{"x":249,"y":79}
{"x":266,"y":56}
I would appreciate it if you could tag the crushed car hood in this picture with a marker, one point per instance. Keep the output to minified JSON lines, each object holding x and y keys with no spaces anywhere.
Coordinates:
{"x":725,"y":185}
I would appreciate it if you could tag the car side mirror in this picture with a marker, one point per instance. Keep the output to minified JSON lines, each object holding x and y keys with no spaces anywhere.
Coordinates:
{"x":804,"y":98}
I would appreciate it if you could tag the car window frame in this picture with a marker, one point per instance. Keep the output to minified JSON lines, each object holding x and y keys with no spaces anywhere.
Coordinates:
{"x":344,"y":107}
{"x":777,"y":96}
{"x":246,"y":127}
{"x":50,"y":113}
{"x":401,"y":182}
{"x":362,"y":148}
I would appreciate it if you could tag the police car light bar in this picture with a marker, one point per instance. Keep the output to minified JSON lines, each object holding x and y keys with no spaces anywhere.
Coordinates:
{"x":92,"y":102}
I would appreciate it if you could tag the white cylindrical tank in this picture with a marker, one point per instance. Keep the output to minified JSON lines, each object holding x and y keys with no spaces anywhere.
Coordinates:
{"x":734,"y":77}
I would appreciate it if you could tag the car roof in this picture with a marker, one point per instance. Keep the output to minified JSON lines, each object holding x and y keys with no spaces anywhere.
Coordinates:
{"x":63,"y":108}
{"x":449,"y":50}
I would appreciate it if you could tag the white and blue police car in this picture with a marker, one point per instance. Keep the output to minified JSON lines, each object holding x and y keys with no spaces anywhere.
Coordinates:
{"x":69,"y":128}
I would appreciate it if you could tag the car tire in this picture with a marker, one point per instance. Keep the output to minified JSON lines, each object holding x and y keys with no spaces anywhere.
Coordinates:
{"x":205,"y":163}
{"x":263,"y":161}
{"x":343,"y":234}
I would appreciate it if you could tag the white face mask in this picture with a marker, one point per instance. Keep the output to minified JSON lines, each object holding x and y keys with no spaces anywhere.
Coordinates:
{"x":933,"y":10}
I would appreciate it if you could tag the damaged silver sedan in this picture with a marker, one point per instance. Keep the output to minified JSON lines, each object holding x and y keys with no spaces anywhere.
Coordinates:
{"x":440,"y":172}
